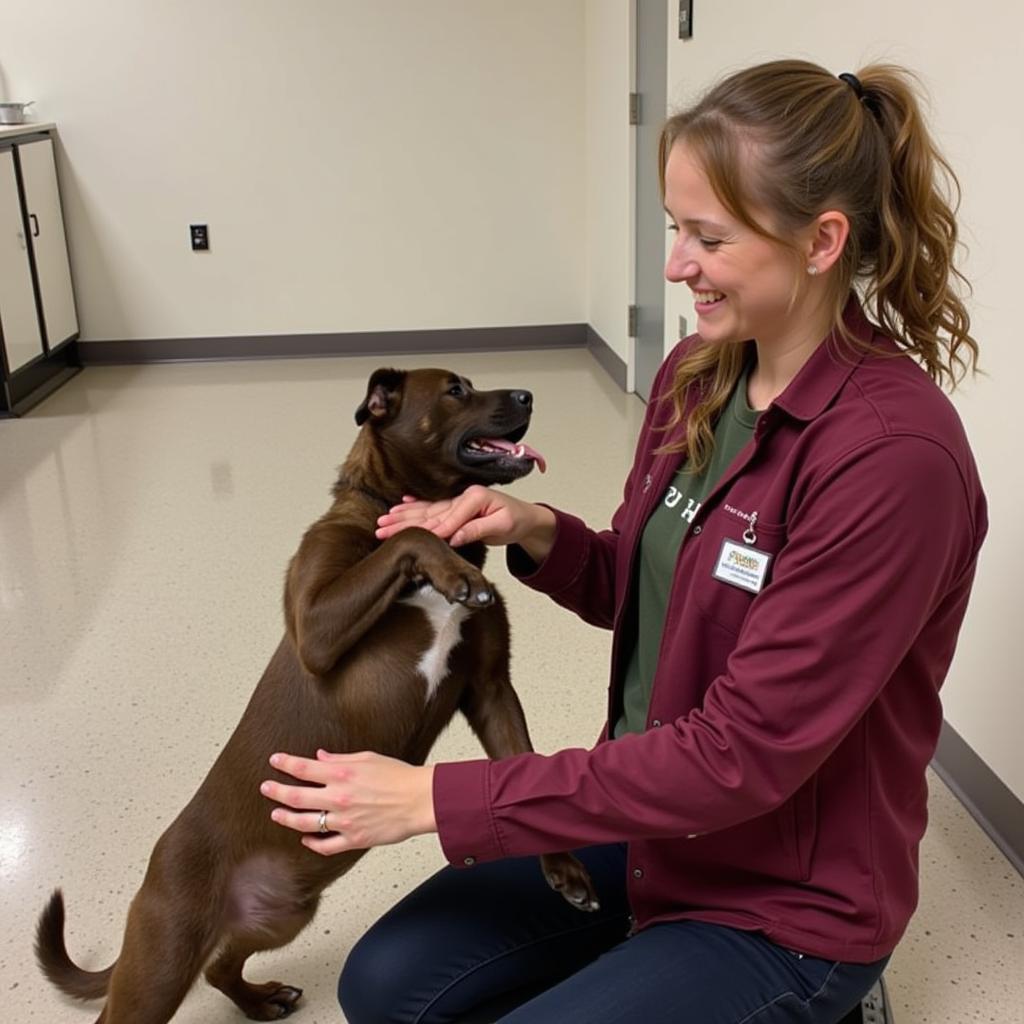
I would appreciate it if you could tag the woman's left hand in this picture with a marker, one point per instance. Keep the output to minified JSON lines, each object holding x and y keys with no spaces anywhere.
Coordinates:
{"x":369,"y":800}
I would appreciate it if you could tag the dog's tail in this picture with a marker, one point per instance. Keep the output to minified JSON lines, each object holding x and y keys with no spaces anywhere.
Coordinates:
{"x":53,"y":957}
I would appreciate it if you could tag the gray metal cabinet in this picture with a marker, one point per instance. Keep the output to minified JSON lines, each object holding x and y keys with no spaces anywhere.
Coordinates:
{"x":38,"y":323}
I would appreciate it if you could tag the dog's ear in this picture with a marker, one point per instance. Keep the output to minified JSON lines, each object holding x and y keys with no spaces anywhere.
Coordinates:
{"x":382,"y":394}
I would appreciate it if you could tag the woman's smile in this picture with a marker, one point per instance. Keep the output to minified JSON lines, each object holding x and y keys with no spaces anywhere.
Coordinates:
{"x":707,"y":302}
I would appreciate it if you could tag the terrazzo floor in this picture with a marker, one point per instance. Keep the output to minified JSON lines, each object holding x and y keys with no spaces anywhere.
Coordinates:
{"x":146,"y":517}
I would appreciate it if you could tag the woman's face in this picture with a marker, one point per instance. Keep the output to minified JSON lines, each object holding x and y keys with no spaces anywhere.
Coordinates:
{"x":742,"y":283}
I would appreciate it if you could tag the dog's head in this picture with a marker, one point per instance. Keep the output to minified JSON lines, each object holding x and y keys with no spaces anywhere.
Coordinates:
{"x":440,"y":434}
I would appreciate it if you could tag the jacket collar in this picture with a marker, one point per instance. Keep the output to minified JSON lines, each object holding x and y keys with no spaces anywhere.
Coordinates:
{"x":821,"y":378}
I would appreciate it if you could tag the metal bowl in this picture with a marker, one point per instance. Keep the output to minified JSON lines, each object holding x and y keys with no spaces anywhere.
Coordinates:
{"x":14,"y":113}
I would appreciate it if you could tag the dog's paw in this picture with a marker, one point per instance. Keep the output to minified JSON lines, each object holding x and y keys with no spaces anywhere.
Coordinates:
{"x":566,"y":875}
{"x":479,"y":596}
{"x":273,"y":1001}
{"x":463,"y":585}
{"x":429,"y":560}
{"x":471,"y":590}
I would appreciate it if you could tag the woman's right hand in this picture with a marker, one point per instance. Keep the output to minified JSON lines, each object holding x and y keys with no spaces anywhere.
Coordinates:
{"x":478,"y":514}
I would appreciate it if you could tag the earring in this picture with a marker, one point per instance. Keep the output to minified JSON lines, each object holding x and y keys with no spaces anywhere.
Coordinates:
{"x":812,"y":270}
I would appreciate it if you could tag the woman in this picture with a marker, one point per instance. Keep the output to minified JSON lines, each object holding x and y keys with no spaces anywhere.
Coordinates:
{"x":785,"y":578}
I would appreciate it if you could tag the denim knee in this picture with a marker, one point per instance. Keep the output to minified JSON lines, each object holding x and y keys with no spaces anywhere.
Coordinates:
{"x":367,"y":986}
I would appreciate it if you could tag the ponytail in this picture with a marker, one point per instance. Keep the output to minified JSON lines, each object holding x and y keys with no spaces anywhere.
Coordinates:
{"x":910,"y":285}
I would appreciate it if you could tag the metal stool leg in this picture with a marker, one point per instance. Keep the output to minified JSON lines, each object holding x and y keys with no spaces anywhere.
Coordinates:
{"x":874,"y":1008}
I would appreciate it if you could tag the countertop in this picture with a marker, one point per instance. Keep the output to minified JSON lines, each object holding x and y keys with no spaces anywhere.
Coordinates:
{"x":8,"y":131}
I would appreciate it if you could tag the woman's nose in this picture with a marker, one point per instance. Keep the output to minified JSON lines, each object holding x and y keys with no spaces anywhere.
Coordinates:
{"x":680,"y":266}
{"x":681,"y":269}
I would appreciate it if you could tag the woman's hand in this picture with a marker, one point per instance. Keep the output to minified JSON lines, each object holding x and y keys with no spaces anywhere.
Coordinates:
{"x":369,"y":800}
{"x":478,"y":514}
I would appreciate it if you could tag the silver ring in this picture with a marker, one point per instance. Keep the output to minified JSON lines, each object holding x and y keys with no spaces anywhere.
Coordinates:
{"x":323,"y":822}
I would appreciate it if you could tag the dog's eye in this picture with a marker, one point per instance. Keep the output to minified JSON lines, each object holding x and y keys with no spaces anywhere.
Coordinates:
{"x":457,"y":391}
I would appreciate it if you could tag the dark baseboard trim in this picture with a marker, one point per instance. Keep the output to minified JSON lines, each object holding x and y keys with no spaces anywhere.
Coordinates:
{"x":356,"y":343}
{"x":602,"y":352}
{"x":986,"y":797}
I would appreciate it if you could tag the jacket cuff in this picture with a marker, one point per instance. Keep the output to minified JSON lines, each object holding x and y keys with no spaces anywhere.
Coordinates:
{"x":463,"y":814}
{"x":565,"y":561}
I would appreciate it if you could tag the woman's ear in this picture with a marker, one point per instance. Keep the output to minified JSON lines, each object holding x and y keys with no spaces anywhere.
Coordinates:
{"x":828,"y":234}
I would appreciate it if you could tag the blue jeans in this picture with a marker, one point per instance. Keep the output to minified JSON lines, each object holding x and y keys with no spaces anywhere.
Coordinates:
{"x":495,"y":943}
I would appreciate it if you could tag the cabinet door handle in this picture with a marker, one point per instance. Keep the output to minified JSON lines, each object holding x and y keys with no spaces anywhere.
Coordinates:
{"x":35,"y":225}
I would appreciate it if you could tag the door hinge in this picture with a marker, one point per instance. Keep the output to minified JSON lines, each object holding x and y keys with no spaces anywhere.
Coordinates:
{"x":685,"y":19}
{"x":634,"y":108}
{"x":631,"y":322}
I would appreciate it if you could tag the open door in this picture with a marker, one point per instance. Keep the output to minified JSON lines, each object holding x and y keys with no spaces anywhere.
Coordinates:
{"x":652,"y":96}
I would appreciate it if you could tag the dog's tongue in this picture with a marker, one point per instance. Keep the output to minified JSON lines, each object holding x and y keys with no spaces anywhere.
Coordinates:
{"x":520,"y":451}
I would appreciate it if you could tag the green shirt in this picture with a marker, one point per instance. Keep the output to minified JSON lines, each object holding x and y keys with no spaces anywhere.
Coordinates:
{"x":659,"y":550}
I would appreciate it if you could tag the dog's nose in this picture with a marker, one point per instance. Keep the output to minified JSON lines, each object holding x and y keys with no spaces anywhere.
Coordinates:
{"x":523,"y":398}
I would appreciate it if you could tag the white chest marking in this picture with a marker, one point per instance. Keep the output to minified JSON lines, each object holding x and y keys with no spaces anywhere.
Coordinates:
{"x":446,"y":620}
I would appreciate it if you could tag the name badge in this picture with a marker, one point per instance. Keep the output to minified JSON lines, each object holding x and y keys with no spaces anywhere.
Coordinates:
{"x":741,"y":566}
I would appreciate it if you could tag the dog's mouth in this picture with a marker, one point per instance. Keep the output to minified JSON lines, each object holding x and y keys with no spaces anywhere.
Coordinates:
{"x":505,"y":452}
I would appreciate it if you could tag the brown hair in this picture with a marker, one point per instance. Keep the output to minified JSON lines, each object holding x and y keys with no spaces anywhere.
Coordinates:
{"x":818,"y":143}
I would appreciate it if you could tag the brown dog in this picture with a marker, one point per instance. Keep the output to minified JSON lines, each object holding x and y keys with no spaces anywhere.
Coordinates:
{"x":385,"y":641}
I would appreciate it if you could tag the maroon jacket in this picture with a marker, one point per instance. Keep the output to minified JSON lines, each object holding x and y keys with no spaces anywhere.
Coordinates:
{"x":781,"y":784}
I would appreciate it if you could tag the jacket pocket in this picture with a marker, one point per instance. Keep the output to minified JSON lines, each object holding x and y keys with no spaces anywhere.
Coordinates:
{"x":727,"y":603}
{"x":799,"y":823}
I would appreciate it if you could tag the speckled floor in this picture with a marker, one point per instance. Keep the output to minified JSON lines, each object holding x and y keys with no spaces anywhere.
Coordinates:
{"x":146,"y":516}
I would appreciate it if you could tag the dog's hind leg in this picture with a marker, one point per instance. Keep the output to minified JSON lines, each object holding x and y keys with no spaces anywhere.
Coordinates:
{"x":165,"y":946}
{"x":271,"y":1000}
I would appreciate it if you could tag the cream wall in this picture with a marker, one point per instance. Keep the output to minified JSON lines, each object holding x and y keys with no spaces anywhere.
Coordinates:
{"x":609,"y":176}
{"x":362,"y":166}
{"x":970,"y":67}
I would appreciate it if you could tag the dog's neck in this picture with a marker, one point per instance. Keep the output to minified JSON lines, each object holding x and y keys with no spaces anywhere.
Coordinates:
{"x":369,"y":470}
{"x":345,"y":485}
{"x":365,"y":471}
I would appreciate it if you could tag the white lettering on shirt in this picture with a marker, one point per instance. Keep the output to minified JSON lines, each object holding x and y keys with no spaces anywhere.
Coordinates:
{"x":672,"y":498}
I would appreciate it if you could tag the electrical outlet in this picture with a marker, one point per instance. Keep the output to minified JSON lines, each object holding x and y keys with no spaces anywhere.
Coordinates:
{"x":200,"y":237}
{"x":682,"y":327}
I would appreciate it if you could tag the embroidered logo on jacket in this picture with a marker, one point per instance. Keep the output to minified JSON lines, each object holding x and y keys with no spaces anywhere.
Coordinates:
{"x":732,"y":510}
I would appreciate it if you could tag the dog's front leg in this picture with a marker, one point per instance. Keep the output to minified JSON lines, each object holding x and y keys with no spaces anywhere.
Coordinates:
{"x":493,"y":710}
{"x":340,"y":583}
